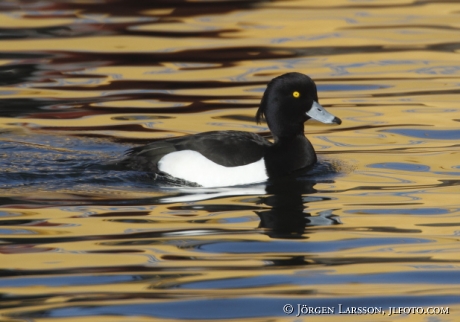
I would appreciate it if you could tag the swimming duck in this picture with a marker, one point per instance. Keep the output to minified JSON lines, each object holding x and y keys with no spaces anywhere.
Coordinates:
{"x":227,"y":158}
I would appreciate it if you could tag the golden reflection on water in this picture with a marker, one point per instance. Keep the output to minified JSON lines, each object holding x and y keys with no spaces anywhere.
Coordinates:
{"x":82,"y":82}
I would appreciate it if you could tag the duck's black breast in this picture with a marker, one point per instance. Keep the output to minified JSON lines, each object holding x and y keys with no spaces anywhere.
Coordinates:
{"x":226,"y":148}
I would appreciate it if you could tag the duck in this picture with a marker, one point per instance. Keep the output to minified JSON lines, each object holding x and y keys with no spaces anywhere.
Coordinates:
{"x":231,"y":158}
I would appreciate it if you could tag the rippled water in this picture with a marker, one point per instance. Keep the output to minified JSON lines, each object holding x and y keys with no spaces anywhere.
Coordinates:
{"x":376,"y":224}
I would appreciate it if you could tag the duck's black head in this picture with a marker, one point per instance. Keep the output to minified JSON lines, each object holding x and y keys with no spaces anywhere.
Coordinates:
{"x":289,"y":101}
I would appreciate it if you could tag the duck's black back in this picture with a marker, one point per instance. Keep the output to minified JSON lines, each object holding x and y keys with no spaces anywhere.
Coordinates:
{"x":227,"y":148}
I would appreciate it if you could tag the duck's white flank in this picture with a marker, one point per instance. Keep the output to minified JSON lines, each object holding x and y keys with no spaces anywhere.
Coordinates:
{"x":193,"y":166}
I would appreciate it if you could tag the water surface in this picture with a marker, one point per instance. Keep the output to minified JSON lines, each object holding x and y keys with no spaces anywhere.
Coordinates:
{"x":375,"y":224}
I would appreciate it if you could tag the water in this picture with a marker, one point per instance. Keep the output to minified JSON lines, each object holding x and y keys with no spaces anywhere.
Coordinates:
{"x":375,"y":225}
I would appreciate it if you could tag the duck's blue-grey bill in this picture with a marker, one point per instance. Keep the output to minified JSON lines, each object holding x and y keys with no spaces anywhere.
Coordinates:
{"x":317,"y":112}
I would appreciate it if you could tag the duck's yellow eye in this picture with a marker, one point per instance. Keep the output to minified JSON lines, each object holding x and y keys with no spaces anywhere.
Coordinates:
{"x":296,"y":94}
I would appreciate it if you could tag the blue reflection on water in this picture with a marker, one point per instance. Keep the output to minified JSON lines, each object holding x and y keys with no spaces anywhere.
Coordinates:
{"x":410,"y":167}
{"x":243,"y":307}
{"x":335,"y":87}
{"x":427,"y":134}
{"x":66,"y":280}
{"x":438,"y":70}
{"x":4,"y":231}
{"x":400,"y":166}
{"x":401,"y":211}
{"x":256,"y":247}
{"x":349,"y":87}
{"x":430,"y":277}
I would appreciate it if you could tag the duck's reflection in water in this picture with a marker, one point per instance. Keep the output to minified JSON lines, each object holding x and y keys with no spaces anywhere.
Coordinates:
{"x":287,"y":200}
{"x":287,"y":217}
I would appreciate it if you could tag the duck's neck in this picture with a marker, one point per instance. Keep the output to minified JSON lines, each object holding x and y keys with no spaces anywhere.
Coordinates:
{"x":289,"y":154}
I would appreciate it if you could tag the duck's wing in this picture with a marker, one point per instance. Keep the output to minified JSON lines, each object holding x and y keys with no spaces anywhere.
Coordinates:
{"x":145,"y":158}
{"x":227,"y":148}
